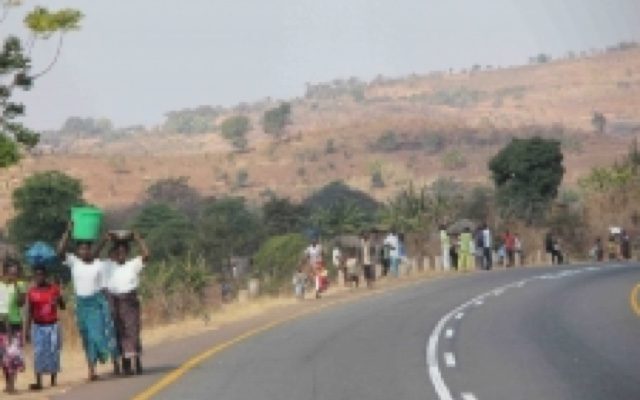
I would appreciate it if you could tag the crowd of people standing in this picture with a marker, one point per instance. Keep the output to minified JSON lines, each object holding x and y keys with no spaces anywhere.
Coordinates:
{"x":105,"y":299}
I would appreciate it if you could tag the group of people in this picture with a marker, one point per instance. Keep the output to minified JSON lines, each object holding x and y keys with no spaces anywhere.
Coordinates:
{"x":353,"y":261}
{"x":461,"y":251}
{"x":618,"y":247}
{"x":107,"y":309}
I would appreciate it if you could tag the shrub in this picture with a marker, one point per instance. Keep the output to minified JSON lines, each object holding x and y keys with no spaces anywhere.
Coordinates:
{"x":387,"y":142}
{"x":278,"y":258}
{"x":275,"y":120}
{"x":453,"y":160}
{"x":433,"y":143}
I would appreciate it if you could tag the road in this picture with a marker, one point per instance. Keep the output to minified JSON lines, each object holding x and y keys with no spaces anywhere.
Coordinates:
{"x":527,"y":333}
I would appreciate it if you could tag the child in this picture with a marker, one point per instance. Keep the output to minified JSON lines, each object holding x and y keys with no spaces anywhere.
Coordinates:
{"x":299,"y":283}
{"x":12,"y":292}
{"x":43,"y":301}
{"x":353,"y":269}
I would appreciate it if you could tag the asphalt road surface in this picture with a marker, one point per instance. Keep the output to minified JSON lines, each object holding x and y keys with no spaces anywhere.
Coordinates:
{"x":527,"y":333}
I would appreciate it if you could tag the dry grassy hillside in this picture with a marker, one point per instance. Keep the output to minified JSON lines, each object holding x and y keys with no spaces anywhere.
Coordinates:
{"x":437,"y":124}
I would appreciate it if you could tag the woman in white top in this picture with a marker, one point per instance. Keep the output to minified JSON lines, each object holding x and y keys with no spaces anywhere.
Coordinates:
{"x":93,"y":316}
{"x":123,"y":278}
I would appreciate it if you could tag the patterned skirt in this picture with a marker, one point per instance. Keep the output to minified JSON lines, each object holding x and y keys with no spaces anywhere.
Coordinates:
{"x":47,"y":343}
{"x":125,"y":309}
{"x":93,"y":318}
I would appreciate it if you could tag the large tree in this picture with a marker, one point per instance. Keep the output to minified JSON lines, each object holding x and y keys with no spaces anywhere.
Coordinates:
{"x":527,"y":174}
{"x":275,"y":120}
{"x":235,"y":129}
{"x":16,"y":73}
{"x":42,"y":207}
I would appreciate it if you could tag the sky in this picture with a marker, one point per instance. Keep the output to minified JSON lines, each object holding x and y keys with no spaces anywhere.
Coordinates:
{"x":134,"y":60}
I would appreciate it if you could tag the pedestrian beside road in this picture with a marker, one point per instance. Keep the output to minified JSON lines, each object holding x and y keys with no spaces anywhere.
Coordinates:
{"x":43,"y":301}
{"x":612,"y":248}
{"x":353,"y":269}
{"x":478,"y":239}
{"x":519,"y":249}
{"x":454,"y":252}
{"x":313,"y":255}
{"x":367,"y":259}
{"x":445,"y":243}
{"x":299,"y":283}
{"x":487,"y":242}
{"x":597,"y":251}
{"x":393,"y":242}
{"x":509,"y":241}
{"x":466,"y":247}
{"x":12,"y":297}
{"x":625,"y":246}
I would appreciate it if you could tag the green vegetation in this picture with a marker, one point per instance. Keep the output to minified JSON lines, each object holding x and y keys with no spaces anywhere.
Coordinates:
{"x":388,"y":142}
{"x":599,"y":122}
{"x":275,"y":120}
{"x":278,"y":258}
{"x":453,"y":160}
{"x":191,"y":121}
{"x":527,"y":174}
{"x":235,"y":130}
{"x":42,"y":207}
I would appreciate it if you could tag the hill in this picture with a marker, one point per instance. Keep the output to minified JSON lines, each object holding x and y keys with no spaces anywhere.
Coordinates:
{"x":376,"y":136}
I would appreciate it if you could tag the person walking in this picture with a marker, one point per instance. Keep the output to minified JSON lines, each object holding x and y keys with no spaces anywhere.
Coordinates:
{"x":509,"y":247}
{"x":367,"y":259}
{"x":43,"y":301}
{"x":313,"y":255}
{"x":93,"y":314}
{"x":123,"y":279}
{"x":487,"y":243}
{"x":12,"y":296}
{"x":478,"y":240}
{"x":612,"y":248}
{"x":445,"y":243}
{"x":625,"y":246}
{"x":394,"y":251}
{"x":519,"y":250}
{"x":466,"y":244}
{"x":299,"y":283}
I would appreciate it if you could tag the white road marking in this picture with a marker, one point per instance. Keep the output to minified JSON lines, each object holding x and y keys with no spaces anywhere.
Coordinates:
{"x":478,"y":302}
{"x":591,"y":268}
{"x":449,"y":333}
{"x":521,"y":284}
{"x":450,"y":360}
{"x":431,"y":350}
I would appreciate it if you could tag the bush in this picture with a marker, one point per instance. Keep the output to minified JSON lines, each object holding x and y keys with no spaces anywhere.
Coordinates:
{"x":9,"y":152}
{"x":277,"y":260}
{"x":235,"y":129}
{"x":433,"y":143}
{"x":387,"y":142}
{"x":453,"y":160}
{"x":275,"y":120}
{"x":42,"y":207}
{"x":242,"y":178}
{"x":168,"y":232}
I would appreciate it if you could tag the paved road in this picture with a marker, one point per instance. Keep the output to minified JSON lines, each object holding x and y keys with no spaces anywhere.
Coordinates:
{"x":552,"y":333}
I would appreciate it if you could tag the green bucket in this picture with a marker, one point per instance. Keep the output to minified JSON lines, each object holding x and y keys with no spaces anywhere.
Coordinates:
{"x":86,"y":223}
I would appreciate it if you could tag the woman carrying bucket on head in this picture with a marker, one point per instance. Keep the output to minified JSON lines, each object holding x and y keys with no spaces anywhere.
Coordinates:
{"x":123,"y":277}
{"x":12,"y":293}
{"x":93,"y":316}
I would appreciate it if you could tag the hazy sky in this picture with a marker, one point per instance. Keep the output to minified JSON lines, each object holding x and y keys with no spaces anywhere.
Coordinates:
{"x":134,"y":60}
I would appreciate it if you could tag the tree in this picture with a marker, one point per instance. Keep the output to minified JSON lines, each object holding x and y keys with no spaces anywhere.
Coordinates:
{"x":527,"y":174}
{"x":599,"y":122}
{"x":16,"y":74}
{"x":278,"y":258}
{"x":176,"y":193}
{"x":42,"y":207}
{"x":281,"y":216}
{"x":167,"y":231}
{"x":227,"y":228}
{"x":275,"y":120}
{"x":235,"y":129}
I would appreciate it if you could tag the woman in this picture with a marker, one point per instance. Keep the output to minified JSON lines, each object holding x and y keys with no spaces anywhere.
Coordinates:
{"x":44,"y":299}
{"x":12,"y":293}
{"x":123,"y":277}
{"x":93,"y":316}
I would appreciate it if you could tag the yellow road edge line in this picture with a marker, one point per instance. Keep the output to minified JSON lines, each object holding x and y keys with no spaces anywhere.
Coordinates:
{"x":633,"y":299}
{"x":171,"y":377}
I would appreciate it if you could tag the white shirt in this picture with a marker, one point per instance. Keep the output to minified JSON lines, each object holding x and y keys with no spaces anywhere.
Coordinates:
{"x":394,"y":243}
{"x":314,"y":253}
{"x":5,"y":293}
{"x":486,"y":238}
{"x":123,"y":278}
{"x":88,"y":278}
{"x":366,"y":252}
{"x":336,"y":256}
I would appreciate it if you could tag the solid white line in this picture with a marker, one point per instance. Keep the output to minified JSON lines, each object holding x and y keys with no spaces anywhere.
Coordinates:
{"x":459,"y":315}
{"x":521,"y":284}
{"x":468,"y":396}
{"x":498,"y":292}
{"x":449,"y":333}
{"x":478,"y":302}
{"x":450,"y":360}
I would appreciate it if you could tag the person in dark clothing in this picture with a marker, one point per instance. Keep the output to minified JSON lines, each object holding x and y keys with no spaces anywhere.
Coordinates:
{"x":453,"y":253}
{"x":625,"y":246}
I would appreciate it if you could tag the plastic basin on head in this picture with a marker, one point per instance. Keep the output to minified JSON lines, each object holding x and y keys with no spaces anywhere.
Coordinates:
{"x":86,"y":223}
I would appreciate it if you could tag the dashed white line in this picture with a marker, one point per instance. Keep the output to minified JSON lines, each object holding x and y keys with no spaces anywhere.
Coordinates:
{"x":448,"y":333}
{"x":459,"y":315}
{"x":450,"y":360}
{"x":498,"y":292}
{"x":478,"y":302}
{"x":468,"y":396}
